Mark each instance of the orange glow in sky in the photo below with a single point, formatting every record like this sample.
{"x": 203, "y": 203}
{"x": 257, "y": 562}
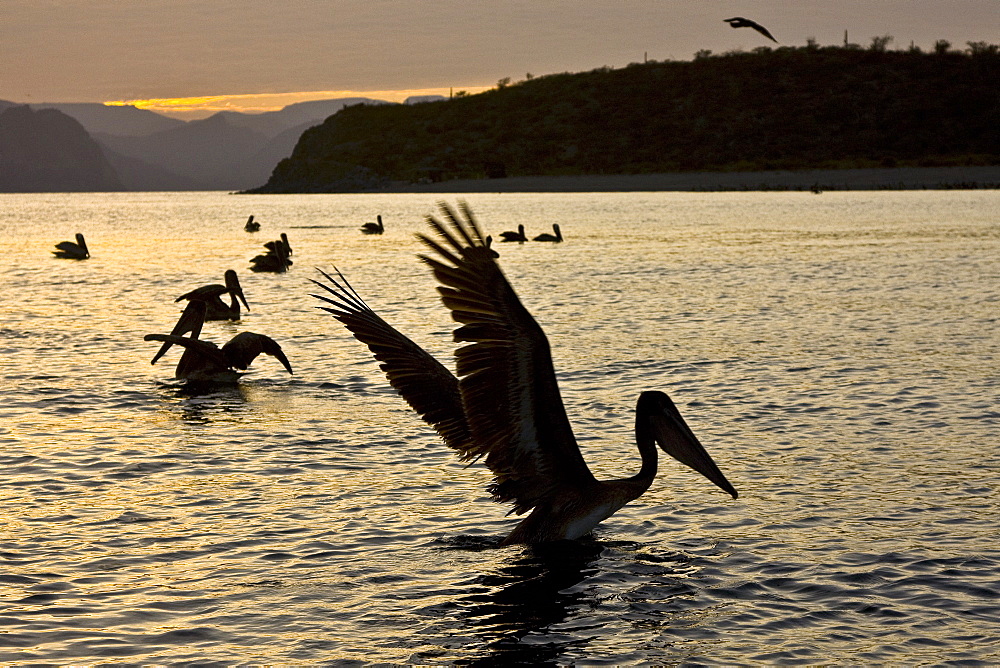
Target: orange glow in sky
{"x": 196, "y": 107}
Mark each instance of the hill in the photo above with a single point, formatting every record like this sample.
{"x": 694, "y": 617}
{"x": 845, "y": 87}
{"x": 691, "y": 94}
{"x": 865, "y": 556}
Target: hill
{"x": 782, "y": 109}
{"x": 47, "y": 151}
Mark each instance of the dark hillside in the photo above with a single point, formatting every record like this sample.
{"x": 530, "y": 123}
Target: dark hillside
{"x": 788, "y": 108}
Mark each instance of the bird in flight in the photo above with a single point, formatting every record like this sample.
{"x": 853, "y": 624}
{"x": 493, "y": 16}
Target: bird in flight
{"x": 740, "y": 22}
{"x": 503, "y": 404}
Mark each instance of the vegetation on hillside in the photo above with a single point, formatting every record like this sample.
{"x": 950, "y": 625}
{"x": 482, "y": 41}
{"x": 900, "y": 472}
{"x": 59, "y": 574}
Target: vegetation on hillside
{"x": 787, "y": 108}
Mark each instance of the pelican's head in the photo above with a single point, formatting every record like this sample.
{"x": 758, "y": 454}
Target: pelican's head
{"x": 676, "y": 439}
{"x": 233, "y": 285}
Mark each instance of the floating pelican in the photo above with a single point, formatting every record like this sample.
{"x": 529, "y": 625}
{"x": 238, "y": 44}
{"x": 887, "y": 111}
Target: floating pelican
{"x": 251, "y": 226}
{"x": 545, "y": 236}
{"x": 216, "y": 309}
{"x": 272, "y": 246}
{"x": 276, "y": 259}
{"x": 489, "y": 244}
{"x": 740, "y": 22}
{"x": 373, "y": 228}
{"x": 72, "y": 251}
{"x": 505, "y": 405}
{"x": 514, "y": 236}
{"x": 205, "y": 362}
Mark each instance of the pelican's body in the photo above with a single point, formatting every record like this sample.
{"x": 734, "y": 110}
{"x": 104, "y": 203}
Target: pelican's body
{"x": 252, "y": 225}
{"x": 72, "y": 251}
{"x": 518, "y": 236}
{"x": 556, "y": 235}
{"x": 373, "y": 228}
{"x": 215, "y": 308}
{"x": 203, "y": 361}
{"x": 740, "y": 22}
{"x": 504, "y": 405}
{"x": 275, "y": 259}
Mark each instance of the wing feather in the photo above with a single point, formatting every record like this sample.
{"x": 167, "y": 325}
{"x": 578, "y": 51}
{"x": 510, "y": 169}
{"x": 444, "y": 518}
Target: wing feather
{"x": 506, "y": 378}
{"x": 430, "y": 389}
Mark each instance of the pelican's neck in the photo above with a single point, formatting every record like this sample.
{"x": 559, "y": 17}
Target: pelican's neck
{"x": 647, "y": 448}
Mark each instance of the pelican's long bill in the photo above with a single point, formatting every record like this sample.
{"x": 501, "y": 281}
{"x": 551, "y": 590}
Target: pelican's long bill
{"x": 676, "y": 439}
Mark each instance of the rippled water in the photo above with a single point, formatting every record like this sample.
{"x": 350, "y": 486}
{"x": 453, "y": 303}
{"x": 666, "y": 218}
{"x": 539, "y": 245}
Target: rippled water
{"x": 837, "y": 353}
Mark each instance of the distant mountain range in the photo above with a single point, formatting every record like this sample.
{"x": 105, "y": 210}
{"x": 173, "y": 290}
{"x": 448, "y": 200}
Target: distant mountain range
{"x": 55, "y": 147}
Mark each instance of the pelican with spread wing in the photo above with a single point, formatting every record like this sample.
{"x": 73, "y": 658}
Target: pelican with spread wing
{"x": 205, "y": 362}
{"x": 504, "y": 405}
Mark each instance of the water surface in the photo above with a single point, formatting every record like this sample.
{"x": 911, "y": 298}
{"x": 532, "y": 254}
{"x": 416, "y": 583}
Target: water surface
{"x": 836, "y": 353}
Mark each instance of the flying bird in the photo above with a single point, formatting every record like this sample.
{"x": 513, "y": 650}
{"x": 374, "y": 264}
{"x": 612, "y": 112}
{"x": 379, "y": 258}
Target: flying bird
{"x": 514, "y": 236}
{"x": 216, "y": 309}
{"x": 373, "y": 228}
{"x": 740, "y": 22}
{"x": 204, "y": 361}
{"x": 252, "y": 225}
{"x": 504, "y": 405}
{"x": 545, "y": 236}
{"x": 72, "y": 251}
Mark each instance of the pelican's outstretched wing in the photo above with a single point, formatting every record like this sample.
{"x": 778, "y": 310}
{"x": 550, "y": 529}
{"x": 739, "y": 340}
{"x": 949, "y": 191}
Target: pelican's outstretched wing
{"x": 508, "y": 385}
{"x": 244, "y": 348}
{"x": 200, "y": 348}
{"x": 425, "y": 384}
{"x": 191, "y": 321}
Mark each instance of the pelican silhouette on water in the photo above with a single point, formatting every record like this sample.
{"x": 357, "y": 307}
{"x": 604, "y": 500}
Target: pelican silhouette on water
{"x": 373, "y": 228}
{"x": 205, "y": 362}
{"x": 216, "y": 309}
{"x": 275, "y": 259}
{"x": 504, "y": 406}
{"x": 252, "y": 225}
{"x": 740, "y": 22}
{"x": 72, "y": 251}
{"x": 514, "y": 236}
{"x": 556, "y": 236}
{"x": 273, "y": 246}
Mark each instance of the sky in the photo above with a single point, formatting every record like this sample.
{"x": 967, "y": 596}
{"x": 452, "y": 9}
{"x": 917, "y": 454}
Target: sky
{"x": 259, "y": 55}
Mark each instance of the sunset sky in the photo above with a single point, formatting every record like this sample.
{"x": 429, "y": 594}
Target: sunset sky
{"x": 258, "y": 55}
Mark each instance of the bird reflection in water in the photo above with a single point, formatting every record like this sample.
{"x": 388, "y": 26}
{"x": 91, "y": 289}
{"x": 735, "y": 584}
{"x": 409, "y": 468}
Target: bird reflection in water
{"x": 536, "y": 589}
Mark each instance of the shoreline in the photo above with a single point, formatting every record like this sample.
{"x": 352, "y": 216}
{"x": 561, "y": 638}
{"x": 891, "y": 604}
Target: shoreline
{"x": 892, "y": 178}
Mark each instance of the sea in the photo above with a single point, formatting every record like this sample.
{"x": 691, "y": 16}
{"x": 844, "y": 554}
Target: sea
{"x": 837, "y": 353}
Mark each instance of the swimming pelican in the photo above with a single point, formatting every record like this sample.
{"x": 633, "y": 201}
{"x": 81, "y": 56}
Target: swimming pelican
{"x": 283, "y": 242}
{"x": 251, "y": 225}
{"x": 373, "y": 228}
{"x": 72, "y": 251}
{"x": 740, "y": 22}
{"x": 514, "y": 236}
{"x": 216, "y": 309}
{"x": 545, "y": 236}
{"x": 203, "y": 361}
{"x": 275, "y": 259}
{"x": 505, "y": 405}
{"x": 489, "y": 244}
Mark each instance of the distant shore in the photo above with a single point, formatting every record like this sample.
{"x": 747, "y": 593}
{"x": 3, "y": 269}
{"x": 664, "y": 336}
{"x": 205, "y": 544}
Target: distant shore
{"x": 898, "y": 178}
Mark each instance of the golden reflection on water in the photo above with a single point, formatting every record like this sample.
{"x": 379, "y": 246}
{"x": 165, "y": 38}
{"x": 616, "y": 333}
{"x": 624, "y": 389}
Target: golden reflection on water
{"x": 835, "y": 354}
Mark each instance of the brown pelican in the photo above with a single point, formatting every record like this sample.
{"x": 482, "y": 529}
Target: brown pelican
{"x": 272, "y": 246}
{"x": 251, "y": 225}
{"x": 203, "y": 361}
{"x": 72, "y": 251}
{"x": 276, "y": 259}
{"x": 489, "y": 244}
{"x": 373, "y": 228}
{"x": 216, "y": 309}
{"x": 545, "y": 236}
{"x": 514, "y": 236}
{"x": 740, "y": 22}
{"x": 505, "y": 406}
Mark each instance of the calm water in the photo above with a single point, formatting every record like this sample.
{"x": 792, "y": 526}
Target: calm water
{"x": 838, "y": 355}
